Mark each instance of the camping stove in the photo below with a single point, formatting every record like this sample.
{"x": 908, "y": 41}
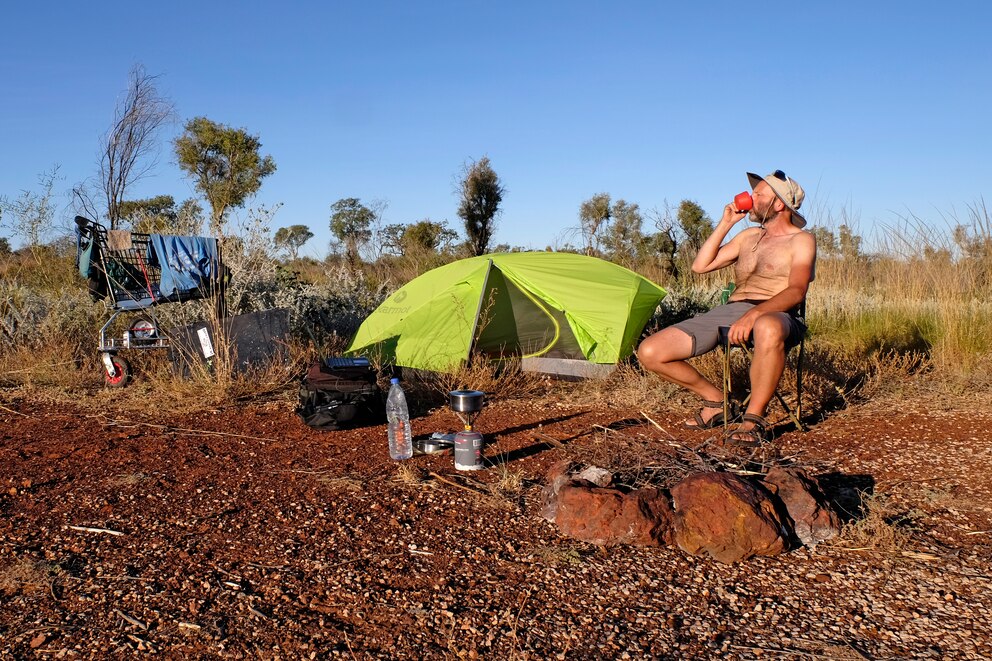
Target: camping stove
{"x": 467, "y": 404}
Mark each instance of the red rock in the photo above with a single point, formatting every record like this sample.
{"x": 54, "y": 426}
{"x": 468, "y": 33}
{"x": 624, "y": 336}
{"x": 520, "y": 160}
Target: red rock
{"x": 607, "y": 517}
{"x": 813, "y": 519}
{"x": 726, "y": 517}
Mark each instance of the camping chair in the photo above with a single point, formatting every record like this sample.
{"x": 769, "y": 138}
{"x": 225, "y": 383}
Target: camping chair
{"x": 796, "y": 413}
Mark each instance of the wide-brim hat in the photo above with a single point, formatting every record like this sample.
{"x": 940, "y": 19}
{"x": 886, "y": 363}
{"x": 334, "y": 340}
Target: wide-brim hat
{"x": 786, "y": 189}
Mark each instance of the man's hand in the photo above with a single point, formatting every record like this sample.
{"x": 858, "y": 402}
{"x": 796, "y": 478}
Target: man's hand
{"x": 740, "y": 330}
{"x": 731, "y": 214}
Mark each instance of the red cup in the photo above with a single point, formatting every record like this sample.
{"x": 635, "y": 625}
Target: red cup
{"x": 743, "y": 201}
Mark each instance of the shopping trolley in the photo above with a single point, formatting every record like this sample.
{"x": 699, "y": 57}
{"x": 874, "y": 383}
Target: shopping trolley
{"x": 137, "y": 272}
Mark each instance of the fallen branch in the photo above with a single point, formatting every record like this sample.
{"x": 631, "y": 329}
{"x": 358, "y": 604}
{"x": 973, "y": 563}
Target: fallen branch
{"x": 348, "y": 643}
{"x": 14, "y": 412}
{"x": 459, "y": 486}
{"x": 105, "y": 531}
{"x": 138, "y": 623}
{"x": 304, "y": 472}
{"x": 782, "y": 650}
{"x": 550, "y": 439}
{"x": 648, "y": 418}
{"x": 351, "y": 562}
{"x": 125, "y": 423}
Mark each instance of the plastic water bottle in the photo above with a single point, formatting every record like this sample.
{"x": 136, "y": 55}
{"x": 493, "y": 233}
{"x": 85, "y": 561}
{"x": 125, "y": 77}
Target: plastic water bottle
{"x": 400, "y": 436}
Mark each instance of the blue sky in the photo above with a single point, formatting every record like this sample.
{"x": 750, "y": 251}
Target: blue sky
{"x": 879, "y": 108}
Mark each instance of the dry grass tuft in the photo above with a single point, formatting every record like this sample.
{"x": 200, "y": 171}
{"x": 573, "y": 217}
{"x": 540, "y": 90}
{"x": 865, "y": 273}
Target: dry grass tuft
{"x": 628, "y": 387}
{"x": 566, "y": 554}
{"x": 884, "y": 525}
{"x": 409, "y": 475}
{"x": 26, "y": 576}
{"x": 499, "y": 380}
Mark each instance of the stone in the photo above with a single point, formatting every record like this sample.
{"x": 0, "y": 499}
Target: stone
{"x": 598, "y": 476}
{"x": 813, "y": 519}
{"x": 726, "y": 517}
{"x": 556, "y": 478}
{"x": 606, "y": 517}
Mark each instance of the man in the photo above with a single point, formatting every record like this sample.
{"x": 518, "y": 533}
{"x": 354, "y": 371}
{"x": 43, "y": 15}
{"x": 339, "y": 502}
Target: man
{"x": 773, "y": 266}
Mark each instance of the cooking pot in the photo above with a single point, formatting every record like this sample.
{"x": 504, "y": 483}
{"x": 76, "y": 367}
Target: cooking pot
{"x": 466, "y": 401}
{"x": 434, "y": 444}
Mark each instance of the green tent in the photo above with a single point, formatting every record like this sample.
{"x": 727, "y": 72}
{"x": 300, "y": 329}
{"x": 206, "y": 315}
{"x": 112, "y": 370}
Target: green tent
{"x": 551, "y": 309}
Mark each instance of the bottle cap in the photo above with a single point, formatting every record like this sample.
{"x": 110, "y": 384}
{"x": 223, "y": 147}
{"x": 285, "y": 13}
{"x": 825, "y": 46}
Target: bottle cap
{"x": 394, "y": 380}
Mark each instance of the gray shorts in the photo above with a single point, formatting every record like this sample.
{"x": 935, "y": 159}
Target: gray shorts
{"x": 704, "y": 328}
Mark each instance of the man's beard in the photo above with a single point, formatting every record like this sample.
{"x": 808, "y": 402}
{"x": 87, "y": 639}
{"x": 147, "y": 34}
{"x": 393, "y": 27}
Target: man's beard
{"x": 762, "y": 216}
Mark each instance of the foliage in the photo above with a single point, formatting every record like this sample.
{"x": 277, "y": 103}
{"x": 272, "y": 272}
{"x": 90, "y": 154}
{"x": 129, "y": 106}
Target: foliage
{"x": 594, "y": 214}
{"x": 481, "y": 195}
{"x": 31, "y": 217}
{"x": 4, "y": 246}
{"x": 695, "y": 224}
{"x": 624, "y": 240}
{"x": 427, "y": 236}
{"x": 291, "y": 239}
{"x": 351, "y": 224}
{"x": 129, "y": 147}
{"x": 225, "y": 165}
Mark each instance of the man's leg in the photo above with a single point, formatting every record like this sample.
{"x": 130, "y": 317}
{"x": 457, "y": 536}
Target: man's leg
{"x": 770, "y": 333}
{"x": 665, "y": 353}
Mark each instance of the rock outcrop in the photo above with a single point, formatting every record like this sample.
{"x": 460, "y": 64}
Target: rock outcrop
{"x": 813, "y": 520}
{"x": 726, "y": 517}
{"x": 723, "y": 515}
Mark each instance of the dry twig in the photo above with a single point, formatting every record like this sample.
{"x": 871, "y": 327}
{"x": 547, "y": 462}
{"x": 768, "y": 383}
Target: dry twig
{"x": 138, "y": 623}
{"x": 106, "y": 531}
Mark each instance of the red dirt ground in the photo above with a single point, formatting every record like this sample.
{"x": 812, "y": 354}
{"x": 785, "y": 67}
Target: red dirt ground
{"x": 244, "y": 533}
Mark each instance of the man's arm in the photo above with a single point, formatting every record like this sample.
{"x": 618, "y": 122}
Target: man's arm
{"x": 712, "y": 256}
{"x": 800, "y": 275}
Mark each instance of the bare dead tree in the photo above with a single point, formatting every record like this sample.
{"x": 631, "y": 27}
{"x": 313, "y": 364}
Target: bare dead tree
{"x": 82, "y": 200}
{"x": 129, "y": 149}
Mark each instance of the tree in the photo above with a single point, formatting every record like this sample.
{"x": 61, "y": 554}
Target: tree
{"x": 31, "y": 217}
{"x": 292, "y": 238}
{"x": 4, "y": 247}
{"x": 154, "y": 214}
{"x": 594, "y": 214}
{"x": 390, "y": 238}
{"x": 426, "y": 237}
{"x": 129, "y": 147}
{"x": 623, "y": 239}
{"x": 848, "y": 243}
{"x": 661, "y": 247}
{"x": 695, "y": 224}
{"x": 224, "y": 163}
{"x": 189, "y": 218}
{"x": 826, "y": 242}
{"x": 481, "y": 195}
{"x": 351, "y": 223}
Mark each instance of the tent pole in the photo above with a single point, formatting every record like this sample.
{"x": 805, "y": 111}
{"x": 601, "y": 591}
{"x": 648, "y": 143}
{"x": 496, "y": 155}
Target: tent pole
{"x": 478, "y": 313}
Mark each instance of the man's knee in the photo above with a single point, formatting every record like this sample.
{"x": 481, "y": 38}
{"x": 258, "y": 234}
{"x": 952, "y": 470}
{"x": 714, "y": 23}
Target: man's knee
{"x": 770, "y": 331}
{"x": 663, "y": 347}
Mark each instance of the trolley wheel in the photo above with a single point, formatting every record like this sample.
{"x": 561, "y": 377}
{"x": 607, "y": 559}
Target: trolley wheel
{"x": 122, "y": 376}
{"x": 144, "y": 329}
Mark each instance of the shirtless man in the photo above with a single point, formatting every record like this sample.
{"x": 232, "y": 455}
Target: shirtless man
{"x": 773, "y": 266}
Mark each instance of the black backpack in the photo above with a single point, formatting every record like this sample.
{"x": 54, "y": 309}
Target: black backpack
{"x": 340, "y": 393}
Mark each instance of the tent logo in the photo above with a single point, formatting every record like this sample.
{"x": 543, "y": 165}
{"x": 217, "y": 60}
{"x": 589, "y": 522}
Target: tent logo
{"x": 400, "y": 296}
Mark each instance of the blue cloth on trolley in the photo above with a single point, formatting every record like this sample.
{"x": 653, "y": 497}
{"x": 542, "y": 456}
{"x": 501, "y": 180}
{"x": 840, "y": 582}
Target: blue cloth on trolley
{"x": 186, "y": 262}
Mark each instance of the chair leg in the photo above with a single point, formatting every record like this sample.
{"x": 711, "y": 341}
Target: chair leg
{"x": 726, "y": 387}
{"x": 795, "y": 415}
{"x": 799, "y": 384}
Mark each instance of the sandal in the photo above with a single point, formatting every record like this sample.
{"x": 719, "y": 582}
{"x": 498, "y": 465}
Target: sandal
{"x": 754, "y": 437}
{"x": 717, "y": 420}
